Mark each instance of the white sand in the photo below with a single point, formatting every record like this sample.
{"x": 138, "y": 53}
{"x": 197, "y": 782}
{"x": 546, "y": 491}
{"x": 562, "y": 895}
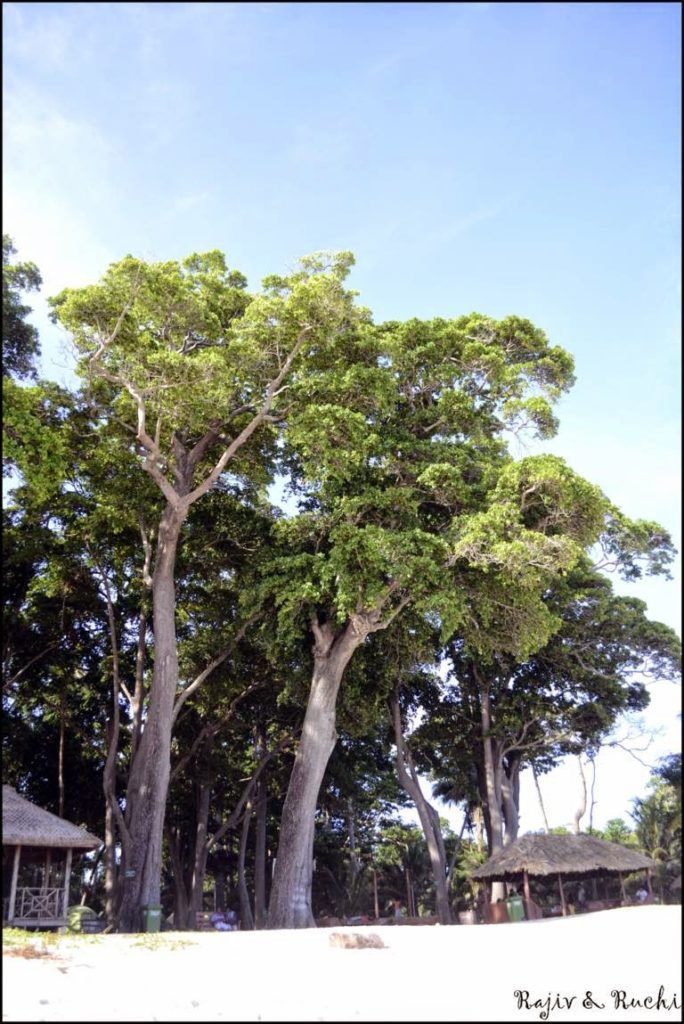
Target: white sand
{"x": 461, "y": 973}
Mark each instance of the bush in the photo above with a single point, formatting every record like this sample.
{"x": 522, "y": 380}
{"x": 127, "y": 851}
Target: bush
{"x": 75, "y": 917}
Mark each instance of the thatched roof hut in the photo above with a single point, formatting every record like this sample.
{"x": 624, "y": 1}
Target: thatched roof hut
{"x": 37, "y": 851}
{"x": 578, "y": 857}
{"x": 561, "y": 855}
{"x": 25, "y": 824}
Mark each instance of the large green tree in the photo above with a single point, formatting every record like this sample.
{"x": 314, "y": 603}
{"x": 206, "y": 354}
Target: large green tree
{"x": 194, "y": 369}
{"x": 502, "y": 714}
{"x": 409, "y": 497}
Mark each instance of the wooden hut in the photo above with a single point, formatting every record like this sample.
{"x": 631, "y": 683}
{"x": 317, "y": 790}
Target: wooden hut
{"x": 577, "y": 858}
{"x": 37, "y": 853}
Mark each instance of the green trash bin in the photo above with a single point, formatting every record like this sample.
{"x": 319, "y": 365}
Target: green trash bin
{"x": 516, "y": 908}
{"x": 152, "y": 918}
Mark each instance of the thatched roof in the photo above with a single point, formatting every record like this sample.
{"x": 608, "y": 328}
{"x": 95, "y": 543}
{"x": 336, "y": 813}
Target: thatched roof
{"x": 565, "y": 855}
{"x": 27, "y": 825}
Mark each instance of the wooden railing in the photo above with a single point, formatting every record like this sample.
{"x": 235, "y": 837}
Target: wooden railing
{"x": 39, "y": 904}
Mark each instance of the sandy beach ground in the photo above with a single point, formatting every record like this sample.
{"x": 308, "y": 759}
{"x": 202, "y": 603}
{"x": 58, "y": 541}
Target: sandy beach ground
{"x": 614, "y": 965}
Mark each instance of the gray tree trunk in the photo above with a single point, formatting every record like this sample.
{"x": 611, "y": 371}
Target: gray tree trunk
{"x": 199, "y": 868}
{"x": 110, "y": 866}
{"x": 290, "y": 903}
{"x": 180, "y": 891}
{"x": 541, "y": 800}
{"x": 149, "y": 777}
{"x": 247, "y": 921}
{"x": 429, "y": 819}
{"x": 354, "y": 863}
{"x": 582, "y": 809}
{"x": 510, "y": 794}
{"x": 492, "y": 773}
{"x": 260, "y": 914}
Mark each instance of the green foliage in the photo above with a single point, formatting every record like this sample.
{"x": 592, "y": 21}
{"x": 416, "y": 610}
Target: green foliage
{"x": 20, "y": 344}
{"x": 35, "y": 440}
{"x": 658, "y": 822}
{"x": 392, "y": 439}
{"x": 75, "y": 917}
{"x": 187, "y": 342}
{"x": 618, "y": 831}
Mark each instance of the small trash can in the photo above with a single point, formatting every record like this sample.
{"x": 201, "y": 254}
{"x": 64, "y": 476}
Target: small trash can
{"x": 516, "y": 909}
{"x": 152, "y": 918}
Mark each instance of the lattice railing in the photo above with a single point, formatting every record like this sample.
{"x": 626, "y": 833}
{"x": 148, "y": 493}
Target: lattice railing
{"x": 35, "y": 904}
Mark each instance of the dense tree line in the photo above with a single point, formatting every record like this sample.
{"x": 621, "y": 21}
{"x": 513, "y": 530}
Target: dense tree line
{"x": 231, "y": 694}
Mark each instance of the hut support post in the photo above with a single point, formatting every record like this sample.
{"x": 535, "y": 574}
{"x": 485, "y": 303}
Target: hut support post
{"x": 526, "y": 885}
{"x": 13, "y": 889}
{"x": 649, "y": 884}
{"x": 46, "y": 874}
{"x": 622, "y": 886}
{"x": 67, "y": 879}
{"x": 564, "y": 907}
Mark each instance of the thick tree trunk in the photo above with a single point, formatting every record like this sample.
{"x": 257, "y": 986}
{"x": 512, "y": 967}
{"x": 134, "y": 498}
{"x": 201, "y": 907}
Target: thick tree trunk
{"x": 149, "y": 777}
{"x": 510, "y": 794}
{"x": 492, "y": 773}
{"x": 429, "y": 819}
{"x": 290, "y": 903}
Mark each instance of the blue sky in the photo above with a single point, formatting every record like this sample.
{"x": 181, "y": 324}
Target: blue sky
{"x": 506, "y": 158}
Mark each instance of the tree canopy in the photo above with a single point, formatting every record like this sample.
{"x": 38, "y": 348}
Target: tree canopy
{"x": 178, "y": 638}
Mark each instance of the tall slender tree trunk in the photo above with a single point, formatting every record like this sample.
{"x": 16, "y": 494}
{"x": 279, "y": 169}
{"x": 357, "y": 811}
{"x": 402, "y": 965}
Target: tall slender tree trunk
{"x": 541, "y": 801}
{"x": 60, "y": 771}
{"x": 592, "y": 793}
{"x": 110, "y": 866}
{"x": 429, "y": 819}
{"x": 582, "y": 809}
{"x": 149, "y": 777}
{"x": 261, "y": 809}
{"x": 180, "y": 891}
{"x": 354, "y": 863}
{"x": 290, "y": 903}
{"x": 246, "y": 918}
{"x": 199, "y": 867}
{"x": 139, "y": 690}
